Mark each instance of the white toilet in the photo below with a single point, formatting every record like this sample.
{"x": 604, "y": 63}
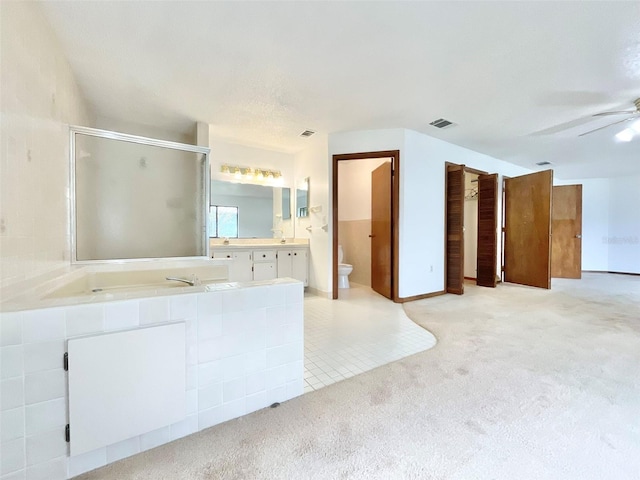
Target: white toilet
{"x": 344, "y": 269}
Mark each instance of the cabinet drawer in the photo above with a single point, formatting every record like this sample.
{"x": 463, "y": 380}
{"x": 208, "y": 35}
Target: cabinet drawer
{"x": 222, "y": 254}
{"x": 264, "y": 256}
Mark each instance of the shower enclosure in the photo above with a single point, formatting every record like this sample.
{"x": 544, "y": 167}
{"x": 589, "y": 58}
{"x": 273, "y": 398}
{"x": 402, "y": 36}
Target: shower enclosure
{"x": 136, "y": 198}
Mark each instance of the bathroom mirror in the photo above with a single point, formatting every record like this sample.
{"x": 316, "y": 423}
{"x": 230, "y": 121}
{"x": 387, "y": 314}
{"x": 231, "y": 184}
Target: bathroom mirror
{"x": 302, "y": 199}
{"x": 242, "y": 210}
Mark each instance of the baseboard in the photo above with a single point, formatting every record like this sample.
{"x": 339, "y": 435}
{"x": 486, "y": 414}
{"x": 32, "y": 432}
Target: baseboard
{"x": 420, "y": 297}
{"x": 615, "y": 273}
{"x": 318, "y": 293}
{"x": 471, "y": 278}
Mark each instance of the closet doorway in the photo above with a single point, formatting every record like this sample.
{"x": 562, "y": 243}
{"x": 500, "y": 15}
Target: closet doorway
{"x": 471, "y": 242}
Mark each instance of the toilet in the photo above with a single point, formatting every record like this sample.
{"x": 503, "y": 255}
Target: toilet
{"x": 344, "y": 269}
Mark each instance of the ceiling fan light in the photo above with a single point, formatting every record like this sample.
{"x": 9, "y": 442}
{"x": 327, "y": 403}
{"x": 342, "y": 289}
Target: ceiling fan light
{"x": 625, "y": 135}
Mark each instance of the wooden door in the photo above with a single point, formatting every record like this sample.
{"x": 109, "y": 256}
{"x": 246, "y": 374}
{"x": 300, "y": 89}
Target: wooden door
{"x": 566, "y": 241}
{"x": 381, "y": 235}
{"x": 527, "y": 240}
{"x": 455, "y": 229}
{"x": 487, "y": 230}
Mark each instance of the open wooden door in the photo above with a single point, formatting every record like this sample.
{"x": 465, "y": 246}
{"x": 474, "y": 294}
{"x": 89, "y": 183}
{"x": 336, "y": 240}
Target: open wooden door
{"x": 566, "y": 244}
{"x": 527, "y": 240}
{"x": 381, "y": 234}
{"x": 455, "y": 229}
{"x": 487, "y": 230}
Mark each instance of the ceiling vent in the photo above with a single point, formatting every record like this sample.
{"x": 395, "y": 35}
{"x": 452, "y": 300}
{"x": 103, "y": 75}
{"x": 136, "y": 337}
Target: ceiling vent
{"x": 442, "y": 123}
{"x": 542, "y": 164}
{"x": 307, "y": 133}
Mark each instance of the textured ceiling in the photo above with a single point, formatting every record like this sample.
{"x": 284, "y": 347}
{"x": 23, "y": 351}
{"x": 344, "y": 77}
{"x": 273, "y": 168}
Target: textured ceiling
{"x": 507, "y": 73}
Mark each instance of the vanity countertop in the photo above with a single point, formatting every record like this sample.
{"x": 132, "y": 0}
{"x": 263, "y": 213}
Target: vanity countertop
{"x": 259, "y": 243}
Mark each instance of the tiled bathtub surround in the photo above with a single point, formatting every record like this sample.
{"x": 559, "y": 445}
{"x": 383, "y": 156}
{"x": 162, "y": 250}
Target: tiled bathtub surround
{"x": 244, "y": 352}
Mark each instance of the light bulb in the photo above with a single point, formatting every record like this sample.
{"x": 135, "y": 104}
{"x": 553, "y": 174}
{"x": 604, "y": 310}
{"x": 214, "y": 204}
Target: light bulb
{"x": 625, "y": 135}
{"x": 237, "y": 173}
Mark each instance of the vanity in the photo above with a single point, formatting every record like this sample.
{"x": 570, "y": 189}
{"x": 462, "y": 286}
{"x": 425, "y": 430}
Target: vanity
{"x": 264, "y": 261}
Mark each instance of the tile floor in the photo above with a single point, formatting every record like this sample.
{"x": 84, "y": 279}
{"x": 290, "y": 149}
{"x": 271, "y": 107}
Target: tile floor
{"x": 356, "y": 333}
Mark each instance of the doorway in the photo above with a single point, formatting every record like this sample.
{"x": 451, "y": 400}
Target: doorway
{"x": 382, "y": 224}
{"x": 471, "y": 211}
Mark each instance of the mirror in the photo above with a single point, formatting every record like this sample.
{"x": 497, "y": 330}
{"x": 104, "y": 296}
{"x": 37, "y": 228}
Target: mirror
{"x": 242, "y": 210}
{"x": 302, "y": 199}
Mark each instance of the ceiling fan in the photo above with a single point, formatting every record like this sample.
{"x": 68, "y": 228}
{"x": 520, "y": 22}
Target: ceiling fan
{"x": 631, "y": 115}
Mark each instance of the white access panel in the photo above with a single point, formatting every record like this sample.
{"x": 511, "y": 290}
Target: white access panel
{"x": 125, "y": 384}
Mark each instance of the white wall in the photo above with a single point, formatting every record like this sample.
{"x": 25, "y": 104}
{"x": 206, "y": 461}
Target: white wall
{"x": 40, "y": 98}
{"x": 150, "y": 131}
{"x": 624, "y": 224}
{"x": 313, "y": 162}
{"x": 354, "y": 188}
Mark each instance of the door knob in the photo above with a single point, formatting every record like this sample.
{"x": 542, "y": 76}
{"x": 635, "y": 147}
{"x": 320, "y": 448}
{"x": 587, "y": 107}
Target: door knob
{"x": 578, "y": 236}
{"x": 371, "y": 236}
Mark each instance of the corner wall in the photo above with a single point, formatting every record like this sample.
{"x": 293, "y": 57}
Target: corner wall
{"x": 40, "y": 98}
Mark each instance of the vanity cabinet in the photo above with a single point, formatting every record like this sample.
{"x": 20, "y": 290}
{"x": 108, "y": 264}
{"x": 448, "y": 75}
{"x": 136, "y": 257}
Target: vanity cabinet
{"x": 294, "y": 264}
{"x": 265, "y": 263}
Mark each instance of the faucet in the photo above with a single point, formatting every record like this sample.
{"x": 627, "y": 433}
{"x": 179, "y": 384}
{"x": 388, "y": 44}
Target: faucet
{"x": 226, "y": 241}
{"x": 193, "y": 282}
{"x": 283, "y": 240}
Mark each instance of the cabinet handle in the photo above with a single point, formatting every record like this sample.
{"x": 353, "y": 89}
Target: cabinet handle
{"x": 263, "y": 255}
{"x": 228, "y": 256}
{"x": 289, "y": 254}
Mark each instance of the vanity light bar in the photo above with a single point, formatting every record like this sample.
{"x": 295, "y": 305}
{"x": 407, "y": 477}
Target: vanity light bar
{"x": 249, "y": 172}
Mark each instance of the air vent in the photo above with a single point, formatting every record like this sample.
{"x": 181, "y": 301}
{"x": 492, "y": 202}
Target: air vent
{"x": 541, "y": 164}
{"x": 307, "y": 133}
{"x": 442, "y": 123}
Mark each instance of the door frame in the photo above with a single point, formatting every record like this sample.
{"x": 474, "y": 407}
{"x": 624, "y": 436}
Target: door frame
{"x": 465, "y": 169}
{"x": 395, "y": 215}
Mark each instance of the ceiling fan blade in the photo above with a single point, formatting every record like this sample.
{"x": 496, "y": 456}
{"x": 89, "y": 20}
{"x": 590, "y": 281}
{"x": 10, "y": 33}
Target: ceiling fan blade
{"x": 623, "y": 112}
{"x": 607, "y": 126}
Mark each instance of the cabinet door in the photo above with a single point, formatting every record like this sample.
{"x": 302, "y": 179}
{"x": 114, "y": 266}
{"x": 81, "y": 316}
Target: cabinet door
{"x": 300, "y": 266}
{"x": 240, "y": 269}
{"x": 264, "y": 271}
{"x": 285, "y": 260}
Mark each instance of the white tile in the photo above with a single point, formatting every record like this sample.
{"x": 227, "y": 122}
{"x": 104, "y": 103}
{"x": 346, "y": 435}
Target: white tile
{"x": 121, "y": 315}
{"x": 53, "y": 470}
{"x": 46, "y": 446}
{"x": 231, "y": 345}
{"x": 191, "y": 402}
{"x": 209, "y": 326}
{"x": 10, "y": 328}
{"x": 186, "y": 427}
{"x": 11, "y": 424}
{"x": 278, "y": 394}
{"x": 295, "y": 388}
{"x": 11, "y": 361}
{"x": 183, "y": 306}
{"x": 234, "y": 409}
{"x": 84, "y": 319}
{"x": 154, "y": 310}
{"x": 294, "y": 313}
{"x": 255, "y": 382}
{"x": 256, "y": 401}
{"x": 275, "y": 377}
{"x": 232, "y": 301}
{"x": 276, "y": 356}
{"x": 276, "y": 295}
{"x": 86, "y": 462}
{"x": 234, "y": 323}
{"x": 210, "y": 303}
{"x": 46, "y": 416}
{"x": 294, "y": 370}
{"x": 43, "y": 386}
{"x": 233, "y": 367}
{"x": 233, "y": 389}
{"x": 11, "y": 393}
{"x": 210, "y": 396}
{"x": 255, "y": 361}
{"x": 210, "y": 417}
{"x": 275, "y": 335}
{"x": 256, "y": 297}
{"x": 12, "y": 456}
{"x": 155, "y": 438}
{"x": 294, "y": 293}
{"x": 276, "y": 316}
{"x": 210, "y": 350}
{"x": 43, "y": 356}
{"x": 209, "y": 373}
{"x": 192, "y": 377}
{"x": 43, "y": 325}
{"x": 123, "y": 449}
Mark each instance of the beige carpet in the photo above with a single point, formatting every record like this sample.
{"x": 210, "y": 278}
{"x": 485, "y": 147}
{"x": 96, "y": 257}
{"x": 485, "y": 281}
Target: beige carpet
{"x": 523, "y": 384}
